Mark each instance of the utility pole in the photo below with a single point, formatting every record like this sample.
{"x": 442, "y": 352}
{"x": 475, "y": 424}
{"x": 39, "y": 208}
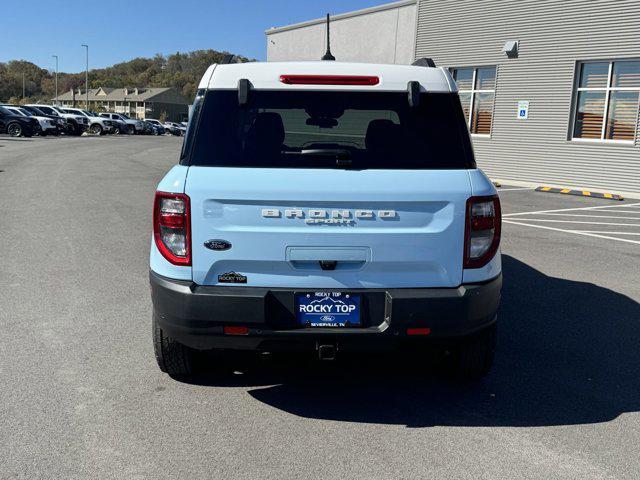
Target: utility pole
{"x": 56, "y": 100}
{"x": 86, "y": 78}
{"x": 23, "y": 85}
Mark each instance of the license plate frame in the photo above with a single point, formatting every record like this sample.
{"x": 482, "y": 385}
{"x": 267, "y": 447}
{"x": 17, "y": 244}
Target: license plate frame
{"x": 328, "y": 309}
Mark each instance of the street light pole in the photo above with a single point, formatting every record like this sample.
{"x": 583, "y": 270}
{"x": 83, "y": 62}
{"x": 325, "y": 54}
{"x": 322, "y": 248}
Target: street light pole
{"x": 56, "y": 57}
{"x": 86, "y": 79}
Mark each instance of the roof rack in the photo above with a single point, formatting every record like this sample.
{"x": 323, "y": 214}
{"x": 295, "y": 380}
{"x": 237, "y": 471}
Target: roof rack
{"x": 424, "y": 62}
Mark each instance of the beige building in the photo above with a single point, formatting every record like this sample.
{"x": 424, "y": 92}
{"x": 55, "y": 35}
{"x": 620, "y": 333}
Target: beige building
{"x": 135, "y": 102}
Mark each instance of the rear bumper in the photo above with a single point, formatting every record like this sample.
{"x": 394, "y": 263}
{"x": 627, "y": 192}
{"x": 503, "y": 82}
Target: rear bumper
{"x": 195, "y": 315}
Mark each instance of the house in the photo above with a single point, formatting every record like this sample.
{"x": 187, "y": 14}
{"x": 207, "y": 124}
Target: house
{"x": 135, "y": 102}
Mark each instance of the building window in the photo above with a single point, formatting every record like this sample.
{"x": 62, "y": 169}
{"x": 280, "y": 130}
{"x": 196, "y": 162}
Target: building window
{"x": 606, "y": 101}
{"x": 477, "y": 87}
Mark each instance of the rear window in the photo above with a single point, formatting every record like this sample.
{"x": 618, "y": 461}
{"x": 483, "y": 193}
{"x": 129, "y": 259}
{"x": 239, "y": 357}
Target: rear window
{"x": 316, "y": 129}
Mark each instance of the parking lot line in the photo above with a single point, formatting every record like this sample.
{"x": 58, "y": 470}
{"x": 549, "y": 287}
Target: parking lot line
{"x": 582, "y": 221}
{"x": 610, "y": 233}
{"x": 575, "y": 232}
{"x": 591, "y": 216}
{"x": 514, "y": 189}
{"x": 571, "y": 209}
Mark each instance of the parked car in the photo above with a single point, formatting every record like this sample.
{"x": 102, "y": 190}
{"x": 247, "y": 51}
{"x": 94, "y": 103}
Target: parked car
{"x": 122, "y": 127}
{"x": 76, "y": 124}
{"x": 97, "y": 124}
{"x": 60, "y": 122}
{"x": 156, "y": 128}
{"x": 131, "y": 126}
{"x": 160, "y": 127}
{"x": 173, "y": 128}
{"x": 47, "y": 125}
{"x": 148, "y": 129}
{"x": 17, "y": 125}
{"x": 326, "y": 219}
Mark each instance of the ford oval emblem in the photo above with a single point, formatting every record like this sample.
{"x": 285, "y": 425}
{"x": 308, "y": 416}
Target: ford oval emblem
{"x": 217, "y": 245}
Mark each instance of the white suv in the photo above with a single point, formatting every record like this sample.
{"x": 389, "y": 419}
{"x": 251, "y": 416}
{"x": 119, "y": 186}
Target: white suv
{"x": 326, "y": 207}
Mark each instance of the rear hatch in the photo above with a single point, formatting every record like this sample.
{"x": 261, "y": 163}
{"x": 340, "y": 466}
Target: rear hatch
{"x": 328, "y": 189}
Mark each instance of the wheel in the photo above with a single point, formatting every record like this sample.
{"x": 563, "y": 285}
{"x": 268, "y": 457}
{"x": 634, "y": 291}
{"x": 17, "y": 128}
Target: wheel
{"x": 116, "y": 131}
{"x": 131, "y": 129}
{"x": 96, "y": 129}
{"x": 43, "y": 133}
{"x": 173, "y": 358}
{"x": 75, "y": 129}
{"x": 15, "y": 129}
{"x": 472, "y": 357}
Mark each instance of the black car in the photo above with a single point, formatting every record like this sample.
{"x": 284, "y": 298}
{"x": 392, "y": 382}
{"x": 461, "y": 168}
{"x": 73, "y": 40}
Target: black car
{"x": 61, "y": 123}
{"x": 17, "y": 125}
{"x": 154, "y": 128}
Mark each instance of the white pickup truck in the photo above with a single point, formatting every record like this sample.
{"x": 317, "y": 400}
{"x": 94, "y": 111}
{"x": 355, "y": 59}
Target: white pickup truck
{"x": 97, "y": 125}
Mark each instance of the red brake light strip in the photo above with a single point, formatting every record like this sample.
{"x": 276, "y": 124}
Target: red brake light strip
{"x": 365, "y": 80}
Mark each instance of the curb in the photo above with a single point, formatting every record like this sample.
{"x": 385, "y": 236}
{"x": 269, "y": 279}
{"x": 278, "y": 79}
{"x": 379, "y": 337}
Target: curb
{"x": 580, "y": 193}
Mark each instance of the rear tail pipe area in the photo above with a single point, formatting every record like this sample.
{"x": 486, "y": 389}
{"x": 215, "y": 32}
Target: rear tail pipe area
{"x": 327, "y": 351}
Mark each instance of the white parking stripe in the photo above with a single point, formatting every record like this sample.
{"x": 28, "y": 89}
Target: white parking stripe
{"x": 610, "y": 233}
{"x": 592, "y": 216}
{"x": 500, "y": 190}
{"x": 575, "y": 232}
{"x": 580, "y": 221}
{"x": 571, "y": 209}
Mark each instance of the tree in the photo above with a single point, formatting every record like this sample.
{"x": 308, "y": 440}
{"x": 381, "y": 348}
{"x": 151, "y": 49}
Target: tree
{"x": 181, "y": 71}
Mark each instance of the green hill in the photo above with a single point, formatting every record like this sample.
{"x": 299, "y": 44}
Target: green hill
{"x": 180, "y": 70}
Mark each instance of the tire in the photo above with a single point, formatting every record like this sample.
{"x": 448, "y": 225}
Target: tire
{"x": 43, "y": 133}
{"x": 173, "y": 358}
{"x": 15, "y": 130}
{"x": 131, "y": 129}
{"x": 96, "y": 129}
{"x": 472, "y": 358}
{"x": 75, "y": 129}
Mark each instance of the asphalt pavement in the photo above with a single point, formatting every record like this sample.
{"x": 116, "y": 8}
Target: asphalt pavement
{"x": 81, "y": 395}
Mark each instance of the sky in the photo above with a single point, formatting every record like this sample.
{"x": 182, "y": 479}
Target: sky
{"x": 119, "y": 30}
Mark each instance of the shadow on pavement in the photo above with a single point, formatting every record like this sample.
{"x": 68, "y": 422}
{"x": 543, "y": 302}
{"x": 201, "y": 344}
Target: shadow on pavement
{"x": 567, "y": 354}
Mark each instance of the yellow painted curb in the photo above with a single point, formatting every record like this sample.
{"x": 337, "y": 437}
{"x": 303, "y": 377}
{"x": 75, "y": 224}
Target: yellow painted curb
{"x": 580, "y": 193}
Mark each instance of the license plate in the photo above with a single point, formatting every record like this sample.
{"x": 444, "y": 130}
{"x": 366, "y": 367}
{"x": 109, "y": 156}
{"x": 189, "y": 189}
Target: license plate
{"x": 328, "y": 309}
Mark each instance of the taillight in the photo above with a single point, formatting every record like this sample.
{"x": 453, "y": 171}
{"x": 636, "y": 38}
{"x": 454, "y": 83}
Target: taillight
{"x": 172, "y": 227}
{"x": 366, "y": 80}
{"x": 482, "y": 230}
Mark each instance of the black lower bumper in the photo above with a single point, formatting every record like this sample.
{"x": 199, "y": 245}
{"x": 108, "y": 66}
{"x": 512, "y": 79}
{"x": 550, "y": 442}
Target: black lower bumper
{"x": 195, "y": 315}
